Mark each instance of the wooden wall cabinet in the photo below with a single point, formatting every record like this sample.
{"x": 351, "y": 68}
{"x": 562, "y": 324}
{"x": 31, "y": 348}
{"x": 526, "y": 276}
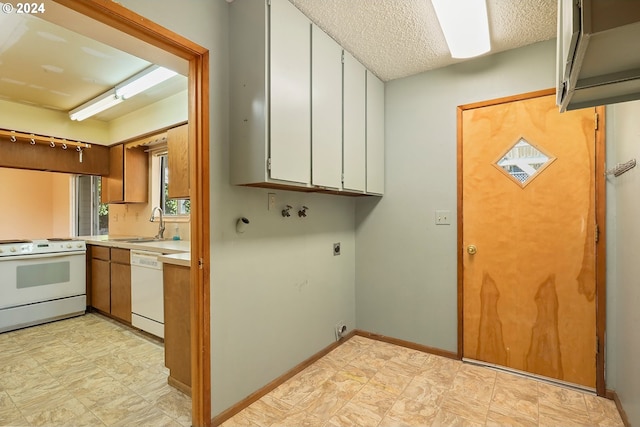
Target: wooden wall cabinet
{"x": 177, "y": 325}
{"x": 298, "y": 115}
{"x": 111, "y": 281}
{"x": 178, "y": 162}
{"x": 128, "y": 179}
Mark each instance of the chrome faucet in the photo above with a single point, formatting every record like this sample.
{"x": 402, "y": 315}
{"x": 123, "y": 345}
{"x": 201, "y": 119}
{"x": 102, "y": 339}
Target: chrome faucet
{"x": 160, "y": 234}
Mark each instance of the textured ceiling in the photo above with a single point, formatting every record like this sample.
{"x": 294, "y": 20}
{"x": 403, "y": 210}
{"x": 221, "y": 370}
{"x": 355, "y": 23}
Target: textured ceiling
{"x": 398, "y": 38}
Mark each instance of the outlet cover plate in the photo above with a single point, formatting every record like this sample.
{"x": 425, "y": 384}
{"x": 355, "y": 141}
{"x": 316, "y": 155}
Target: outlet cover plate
{"x": 336, "y": 249}
{"x": 443, "y": 217}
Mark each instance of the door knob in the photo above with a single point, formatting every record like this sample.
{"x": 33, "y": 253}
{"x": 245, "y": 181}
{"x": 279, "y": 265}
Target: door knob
{"x": 471, "y": 249}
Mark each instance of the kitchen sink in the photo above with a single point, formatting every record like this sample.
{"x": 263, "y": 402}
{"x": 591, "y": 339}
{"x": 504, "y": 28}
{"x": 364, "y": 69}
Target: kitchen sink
{"x": 144, "y": 240}
{"x": 136, "y": 239}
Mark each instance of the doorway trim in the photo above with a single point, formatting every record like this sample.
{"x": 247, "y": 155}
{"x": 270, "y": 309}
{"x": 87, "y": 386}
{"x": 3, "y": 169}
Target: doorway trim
{"x": 600, "y": 207}
{"x": 126, "y": 21}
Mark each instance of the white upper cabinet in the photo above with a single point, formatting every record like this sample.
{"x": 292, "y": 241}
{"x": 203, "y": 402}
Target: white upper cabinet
{"x": 354, "y": 146}
{"x": 326, "y": 108}
{"x": 299, "y": 117}
{"x": 375, "y": 135}
{"x": 290, "y": 100}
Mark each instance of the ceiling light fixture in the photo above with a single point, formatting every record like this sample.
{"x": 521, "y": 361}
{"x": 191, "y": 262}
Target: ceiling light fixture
{"x": 143, "y": 80}
{"x": 465, "y": 26}
{"x": 95, "y": 106}
{"x": 132, "y": 86}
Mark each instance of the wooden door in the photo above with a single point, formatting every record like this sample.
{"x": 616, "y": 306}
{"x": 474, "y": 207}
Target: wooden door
{"x": 529, "y": 238}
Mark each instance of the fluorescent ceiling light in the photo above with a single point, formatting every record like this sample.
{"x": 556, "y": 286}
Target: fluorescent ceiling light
{"x": 143, "y": 81}
{"x": 125, "y": 90}
{"x": 465, "y": 26}
{"x": 96, "y": 105}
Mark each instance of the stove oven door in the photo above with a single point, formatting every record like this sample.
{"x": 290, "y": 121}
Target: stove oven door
{"x": 40, "y": 288}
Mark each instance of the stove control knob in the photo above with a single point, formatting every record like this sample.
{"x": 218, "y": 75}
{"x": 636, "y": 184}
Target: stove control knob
{"x": 79, "y": 245}
{"x": 69, "y": 245}
{"x": 1, "y": 250}
{"x": 13, "y": 248}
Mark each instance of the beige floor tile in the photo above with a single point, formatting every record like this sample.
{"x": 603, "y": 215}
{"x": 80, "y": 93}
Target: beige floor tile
{"x": 466, "y": 407}
{"x": 374, "y": 400}
{"x": 603, "y": 412}
{"x": 476, "y": 381}
{"x": 559, "y": 403}
{"x": 354, "y": 415}
{"x": 498, "y": 419}
{"x": 299, "y": 418}
{"x": 413, "y": 413}
{"x": 518, "y": 399}
{"x": 390, "y": 381}
{"x": 76, "y": 372}
{"x": 445, "y": 418}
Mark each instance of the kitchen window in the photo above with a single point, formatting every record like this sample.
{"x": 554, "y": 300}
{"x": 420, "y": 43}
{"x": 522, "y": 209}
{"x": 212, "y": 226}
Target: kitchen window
{"x": 91, "y": 216}
{"x": 176, "y": 209}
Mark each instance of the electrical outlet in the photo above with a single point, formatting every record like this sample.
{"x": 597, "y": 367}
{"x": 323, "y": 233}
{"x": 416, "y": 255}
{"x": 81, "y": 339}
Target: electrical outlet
{"x": 340, "y": 330}
{"x": 336, "y": 249}
{"x": 271, "y": 202}
{"x": 443, "y": 217}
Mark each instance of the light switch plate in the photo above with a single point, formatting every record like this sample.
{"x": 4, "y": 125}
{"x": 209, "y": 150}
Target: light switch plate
{"x": 443, "y": 217}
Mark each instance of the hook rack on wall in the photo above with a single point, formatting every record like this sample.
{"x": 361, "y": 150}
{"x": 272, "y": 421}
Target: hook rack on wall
{"x": 51, "y": 141}
{"x": 621, "y": 168}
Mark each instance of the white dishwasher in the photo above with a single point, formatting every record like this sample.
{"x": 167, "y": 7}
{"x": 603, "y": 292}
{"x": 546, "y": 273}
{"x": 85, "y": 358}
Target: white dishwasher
{"x": 147, "y": 296}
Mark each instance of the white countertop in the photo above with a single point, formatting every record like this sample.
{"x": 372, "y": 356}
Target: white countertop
{"x": 183, "y": 259}
{"x": 177, "y": 251}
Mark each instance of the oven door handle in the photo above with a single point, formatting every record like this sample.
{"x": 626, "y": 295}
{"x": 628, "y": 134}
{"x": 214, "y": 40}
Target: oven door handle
{"x": 40, "y": 256}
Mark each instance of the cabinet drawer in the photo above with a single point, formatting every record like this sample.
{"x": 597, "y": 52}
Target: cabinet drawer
{"x": 100, "y": 252}
{"x": 120, "y": 256}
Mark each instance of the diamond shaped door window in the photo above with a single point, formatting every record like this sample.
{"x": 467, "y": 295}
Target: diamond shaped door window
{"x": 523, "y": 161}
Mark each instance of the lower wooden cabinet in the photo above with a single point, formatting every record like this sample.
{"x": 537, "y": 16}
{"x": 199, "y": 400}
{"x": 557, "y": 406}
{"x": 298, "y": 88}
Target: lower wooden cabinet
{"x": 121, "y": 284}
{"x": 110, "y": 284}
{"x": 177, "y": 326}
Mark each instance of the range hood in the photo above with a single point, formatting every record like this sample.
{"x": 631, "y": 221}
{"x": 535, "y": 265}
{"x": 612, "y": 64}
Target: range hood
{"x": 598, "y": 53}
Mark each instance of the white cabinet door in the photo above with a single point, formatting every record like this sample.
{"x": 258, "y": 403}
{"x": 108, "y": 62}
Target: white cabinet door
{"x": 375, "y": 134}
{"x": 290, "y": 96}
{"x": 354, "y": 122}
{"x": 326, "y": 110}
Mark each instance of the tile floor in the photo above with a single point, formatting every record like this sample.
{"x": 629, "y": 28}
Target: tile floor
{"x": 370, "y": 383}
{"x": 86, "y": 371}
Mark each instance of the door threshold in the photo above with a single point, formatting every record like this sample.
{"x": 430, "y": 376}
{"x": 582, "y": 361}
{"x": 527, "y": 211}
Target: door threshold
{"x": 529, "y": 375}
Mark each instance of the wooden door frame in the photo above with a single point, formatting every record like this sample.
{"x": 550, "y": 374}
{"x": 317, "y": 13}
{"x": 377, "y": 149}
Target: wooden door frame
{"x": 600, "y": 207}
{"x": 124, "y": 20}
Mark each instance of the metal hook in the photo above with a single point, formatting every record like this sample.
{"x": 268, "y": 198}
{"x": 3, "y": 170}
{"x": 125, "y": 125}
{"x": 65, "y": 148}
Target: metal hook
{"x": 13, "y": 138}
{"x": 32, "y": 142}
{"x": 285, "y": 211}
{"x": 64, "y": 146}
{"x": 52, "y": 144}
{"x": 303, "y": 212}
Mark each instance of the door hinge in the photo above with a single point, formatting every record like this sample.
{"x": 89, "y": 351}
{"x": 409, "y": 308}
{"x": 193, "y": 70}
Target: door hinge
{"x": 200, "y": 263}
{"x": 597, "y": 118}
{"x": 342, "y": 59}
{"x": 597, "y": 233}
{"x": 269, "y": 164}
{"x": 597, "y": 344}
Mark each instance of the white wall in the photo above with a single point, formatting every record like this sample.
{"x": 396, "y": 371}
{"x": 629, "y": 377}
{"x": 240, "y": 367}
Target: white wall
{"x": 406, "y": 282}
{"x": 623, "y": 137}
{"x": 277, "y": 290}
